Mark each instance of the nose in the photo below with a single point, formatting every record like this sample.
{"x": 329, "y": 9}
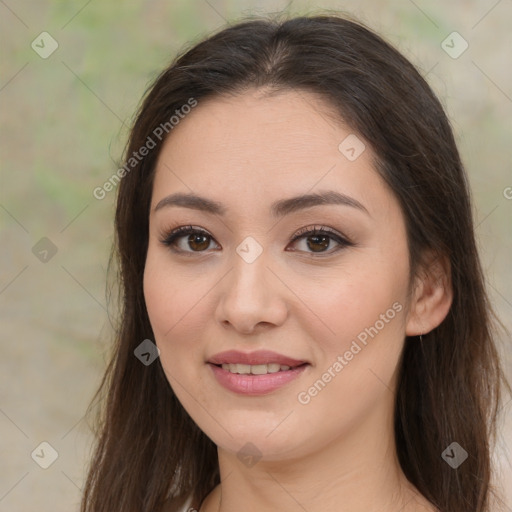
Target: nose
{"x": 251, "y": 297}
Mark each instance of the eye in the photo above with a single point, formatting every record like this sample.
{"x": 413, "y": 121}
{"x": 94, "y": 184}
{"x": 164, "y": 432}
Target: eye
{"x": 189, "y": 240}
{"x": 318, "y": 239}
{"x": 193, "y": 238}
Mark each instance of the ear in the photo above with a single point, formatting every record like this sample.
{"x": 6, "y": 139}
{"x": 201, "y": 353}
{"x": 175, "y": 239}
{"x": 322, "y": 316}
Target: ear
{"x": 432, "y": 295}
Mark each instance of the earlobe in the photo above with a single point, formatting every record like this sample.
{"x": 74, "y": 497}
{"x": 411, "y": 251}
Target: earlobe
{"x": 432, "y": 296}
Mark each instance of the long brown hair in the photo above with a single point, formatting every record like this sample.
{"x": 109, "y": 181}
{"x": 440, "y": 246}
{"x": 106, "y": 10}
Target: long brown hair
{"x": 149, "y": 450}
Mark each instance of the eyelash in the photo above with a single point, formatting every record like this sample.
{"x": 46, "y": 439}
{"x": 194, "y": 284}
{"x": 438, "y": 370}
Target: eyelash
{"x": 169, "y": 239}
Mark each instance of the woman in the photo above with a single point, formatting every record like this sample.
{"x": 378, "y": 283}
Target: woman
{"x": 294, "y": 234}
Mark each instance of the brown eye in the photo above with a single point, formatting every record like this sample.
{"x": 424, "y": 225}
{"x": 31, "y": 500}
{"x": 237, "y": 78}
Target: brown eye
{"x": 198, "y": 242}
{"x": 318, "y": 243}
{"x": 318, "y": 240}
{"x": 188, "y": 239}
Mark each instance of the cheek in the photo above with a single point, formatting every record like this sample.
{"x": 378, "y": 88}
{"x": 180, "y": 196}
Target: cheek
{"x": 176, "y": 312}
{"x": 350, "y": 302}
{"x": 359, "y": 338}
{"x": 172, "y": 295}
{"x": 176, "y": 303}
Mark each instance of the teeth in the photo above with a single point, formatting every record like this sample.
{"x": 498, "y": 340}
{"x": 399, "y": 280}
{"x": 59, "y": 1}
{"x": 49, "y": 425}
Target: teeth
{"x": 239, "y": 368}
{"x": 255, "y": 369}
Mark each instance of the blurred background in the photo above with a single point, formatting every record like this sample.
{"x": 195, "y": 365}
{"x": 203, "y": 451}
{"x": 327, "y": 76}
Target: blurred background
{"x": 72, "y": 75}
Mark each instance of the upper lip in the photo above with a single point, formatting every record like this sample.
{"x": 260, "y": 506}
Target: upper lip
{"x": 254, "y": 358}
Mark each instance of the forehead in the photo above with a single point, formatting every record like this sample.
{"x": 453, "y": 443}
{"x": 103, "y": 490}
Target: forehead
{"x": 263, "y": 147}
{"x": 290, "y": 124}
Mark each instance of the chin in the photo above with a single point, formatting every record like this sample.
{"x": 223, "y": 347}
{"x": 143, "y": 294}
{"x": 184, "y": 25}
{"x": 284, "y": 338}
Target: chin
{"x": 257, "y": 438}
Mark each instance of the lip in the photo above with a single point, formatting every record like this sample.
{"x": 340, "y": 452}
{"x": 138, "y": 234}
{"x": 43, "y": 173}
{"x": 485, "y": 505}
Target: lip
{"x": 253, "y": 358}
{"x": 248, "y": 384}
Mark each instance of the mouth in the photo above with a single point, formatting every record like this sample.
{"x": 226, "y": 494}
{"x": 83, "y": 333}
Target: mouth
{"x": 258, "y": 359}
{"x": 256, "y": 369}
{"x": 255, "y": 373}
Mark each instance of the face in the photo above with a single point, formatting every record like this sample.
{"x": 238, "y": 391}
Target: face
{"x": 324, "y": 283}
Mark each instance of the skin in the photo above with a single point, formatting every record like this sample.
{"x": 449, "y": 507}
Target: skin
{"x": 337, "y": 450}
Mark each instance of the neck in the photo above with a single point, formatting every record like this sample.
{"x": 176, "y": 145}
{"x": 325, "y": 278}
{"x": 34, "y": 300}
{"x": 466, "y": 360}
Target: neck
{"x": 356, "y": 472}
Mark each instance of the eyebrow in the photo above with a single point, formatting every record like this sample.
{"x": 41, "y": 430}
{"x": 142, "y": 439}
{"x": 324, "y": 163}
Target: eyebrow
{"x": 278, "y": 209}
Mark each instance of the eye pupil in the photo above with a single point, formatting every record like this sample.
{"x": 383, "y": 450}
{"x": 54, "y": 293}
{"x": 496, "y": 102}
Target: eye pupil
{"x": 323, "y": 244}
{"x": 196, "y": 239}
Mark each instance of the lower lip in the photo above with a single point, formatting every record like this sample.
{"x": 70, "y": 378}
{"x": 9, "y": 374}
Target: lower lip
{"x": 255, "y": 384}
